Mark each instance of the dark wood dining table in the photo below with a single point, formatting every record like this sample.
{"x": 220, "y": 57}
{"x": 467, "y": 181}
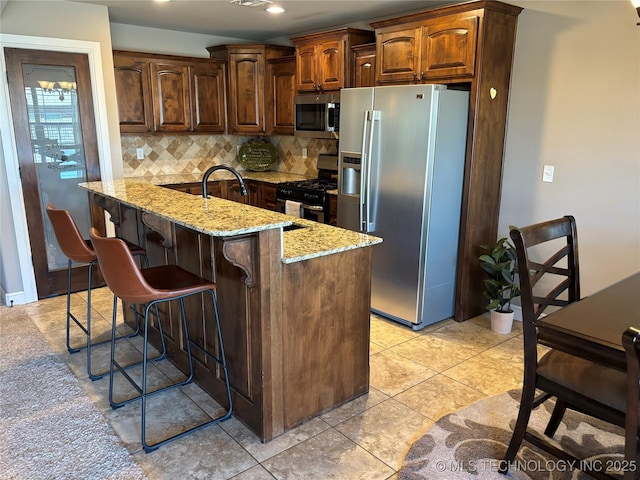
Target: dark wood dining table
{"x": 592, "y": 327}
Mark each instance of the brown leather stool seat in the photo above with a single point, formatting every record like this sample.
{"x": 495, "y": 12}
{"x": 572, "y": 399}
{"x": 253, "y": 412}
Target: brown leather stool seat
{"x": 79, "y": 250}
{"x": 151, "y": 286}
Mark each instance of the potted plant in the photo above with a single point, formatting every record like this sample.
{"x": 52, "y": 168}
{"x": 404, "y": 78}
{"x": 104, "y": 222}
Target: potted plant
{"x": 499, "y": 263}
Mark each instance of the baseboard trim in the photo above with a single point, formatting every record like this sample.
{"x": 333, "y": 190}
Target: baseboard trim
{"x": 10, "y": 299}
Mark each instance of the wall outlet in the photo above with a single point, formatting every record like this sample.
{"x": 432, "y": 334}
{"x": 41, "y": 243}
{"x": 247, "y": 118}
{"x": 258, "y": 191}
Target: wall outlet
{"x": 304, "y": 153}
{"x": 140, "y": 153}
{"x": 547, "y": 173}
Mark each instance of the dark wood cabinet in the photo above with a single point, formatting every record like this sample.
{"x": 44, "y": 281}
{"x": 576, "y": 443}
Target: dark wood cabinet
{"x": 171, "y": 99}
{"x": 170, "y": 94}
{"x": 398, "y": 53}
{"x": 365, "y": 65}
{"x": 449, "y": 47}
{"x": 440, "y": 48}
{"x": 209, "y": 102}
{"x": 248, "y": 107}
{"x": 281, "y": 90}
{"x": 253, "y": 189}
{"x": 324, "y": 61}
{"x": 133, "y": 94}
{"x": 468, "y": 46}
{"x": 268, "y": 196}
{"x": 333, "y": 210}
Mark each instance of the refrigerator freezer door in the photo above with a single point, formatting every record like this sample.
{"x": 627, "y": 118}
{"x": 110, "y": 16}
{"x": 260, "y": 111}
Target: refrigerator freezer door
{"x": 355, "y": 103}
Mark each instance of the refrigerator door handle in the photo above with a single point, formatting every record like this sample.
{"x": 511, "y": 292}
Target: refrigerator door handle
{"x": 363, "y": 165}
{"x": 367, "y": 224}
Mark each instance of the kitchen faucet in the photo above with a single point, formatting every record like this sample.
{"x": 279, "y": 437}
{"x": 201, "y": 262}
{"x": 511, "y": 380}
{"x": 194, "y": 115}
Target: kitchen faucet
{"x": 243, "y": 188}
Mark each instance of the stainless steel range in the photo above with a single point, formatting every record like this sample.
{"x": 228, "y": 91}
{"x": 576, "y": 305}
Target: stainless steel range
{"x": 311, "y": 195}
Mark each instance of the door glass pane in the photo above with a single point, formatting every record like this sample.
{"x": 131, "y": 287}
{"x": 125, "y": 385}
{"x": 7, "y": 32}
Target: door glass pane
{"x": 56, "y": 140}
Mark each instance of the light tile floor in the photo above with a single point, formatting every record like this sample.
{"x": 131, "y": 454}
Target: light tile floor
{"x": 416, "y": 377}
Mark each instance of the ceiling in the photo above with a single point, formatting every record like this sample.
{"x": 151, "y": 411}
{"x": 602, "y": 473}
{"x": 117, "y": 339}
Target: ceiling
{"x": 221, "y": 18}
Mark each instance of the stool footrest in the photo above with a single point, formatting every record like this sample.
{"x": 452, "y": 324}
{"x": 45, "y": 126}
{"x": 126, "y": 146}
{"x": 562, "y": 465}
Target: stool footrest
{"x": 151, "y": 447}
{"x": 135, "y": 385}
{"x": 208, "y": 354}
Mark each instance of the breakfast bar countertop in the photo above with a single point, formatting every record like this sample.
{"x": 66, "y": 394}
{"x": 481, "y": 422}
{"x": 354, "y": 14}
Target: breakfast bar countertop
{"x": 223, "y": 218}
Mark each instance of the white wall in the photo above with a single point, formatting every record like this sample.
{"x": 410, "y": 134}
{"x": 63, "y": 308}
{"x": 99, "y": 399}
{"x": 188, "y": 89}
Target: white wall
{"x": 10, "y": 276}
{"x": 575, "y": 104}
{"x": 156, "y": 40}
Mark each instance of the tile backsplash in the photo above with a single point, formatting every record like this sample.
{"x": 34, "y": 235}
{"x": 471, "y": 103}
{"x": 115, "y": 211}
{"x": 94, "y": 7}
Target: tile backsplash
{"x": 176, "y": 154}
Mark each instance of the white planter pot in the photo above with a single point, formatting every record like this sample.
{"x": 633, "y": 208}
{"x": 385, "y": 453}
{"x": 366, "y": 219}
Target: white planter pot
{"x": 501, "y": 322}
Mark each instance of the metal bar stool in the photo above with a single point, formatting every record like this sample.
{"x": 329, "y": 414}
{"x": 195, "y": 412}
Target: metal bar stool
{"x": 152, "y": 286}
{"x": 79, "y": 250}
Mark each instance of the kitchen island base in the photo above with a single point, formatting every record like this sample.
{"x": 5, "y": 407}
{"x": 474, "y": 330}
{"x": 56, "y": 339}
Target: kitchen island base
{"x": 296, "y": 334}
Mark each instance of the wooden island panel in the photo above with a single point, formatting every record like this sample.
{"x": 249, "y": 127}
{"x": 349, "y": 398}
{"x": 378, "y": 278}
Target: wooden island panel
{"x": 325, "y": 341}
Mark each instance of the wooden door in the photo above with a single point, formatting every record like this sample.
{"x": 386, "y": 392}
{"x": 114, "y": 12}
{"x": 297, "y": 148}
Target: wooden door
{"x": 246, "y": 78}
{"x": 53, "y": 118}
{"x": 449, "y": 48}
{"x": 209, "y": 98}
{"x": 253, "y": 189}
{"x": 398, "y": 50}
{"x": 331, "y": 65}
{"x": 306, "y": 69}
{"x": 170, "y": 91}
{"x": 365, "y": 65}
{"x": 280, "y": 95}
{"x": 268, "y": 196}
{"x": 133, "y": 94}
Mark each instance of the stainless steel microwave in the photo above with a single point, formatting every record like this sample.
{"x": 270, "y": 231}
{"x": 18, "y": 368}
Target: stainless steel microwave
{"x": 317, "y": 115}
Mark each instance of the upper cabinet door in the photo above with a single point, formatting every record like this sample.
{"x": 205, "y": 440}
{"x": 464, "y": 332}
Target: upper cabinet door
{"x": 133, "y": 95}
{"x": 331, "y": 64}
{"x": 325, "y": 61}
{"x": 398, "y": 54}
{"x": 365, "y": 65}
{"x": 306, "y": 66}
{"x": 247, "y": 92}
{"x": 281, "y": 91}
{"x": 209, "y": 98}
{"x": 449, "y": 48}
{"x": 170, "y": 87}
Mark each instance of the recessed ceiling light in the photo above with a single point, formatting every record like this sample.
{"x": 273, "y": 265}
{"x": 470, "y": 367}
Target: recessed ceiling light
{"x": 275, "y": 9}
{"x": 161, "y": 1}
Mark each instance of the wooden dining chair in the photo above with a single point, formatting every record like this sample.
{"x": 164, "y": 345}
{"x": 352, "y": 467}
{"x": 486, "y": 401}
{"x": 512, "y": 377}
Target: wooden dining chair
{"x": 575, "y": 383}
{"x": 631, "y": 343}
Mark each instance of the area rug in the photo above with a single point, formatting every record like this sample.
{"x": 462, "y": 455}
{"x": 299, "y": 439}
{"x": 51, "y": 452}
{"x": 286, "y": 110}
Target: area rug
{"x": 469, "y": 444}
{"x": 49, "y": 428}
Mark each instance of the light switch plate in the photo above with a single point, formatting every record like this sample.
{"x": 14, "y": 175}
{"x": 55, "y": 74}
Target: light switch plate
{"x": 140, "y": 153}
{"x": 304, "y": 153}
{"x": 547, "y": 173}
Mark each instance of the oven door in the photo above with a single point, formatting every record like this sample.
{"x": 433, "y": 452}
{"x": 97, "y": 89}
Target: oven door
{"x": 308, "y": 212}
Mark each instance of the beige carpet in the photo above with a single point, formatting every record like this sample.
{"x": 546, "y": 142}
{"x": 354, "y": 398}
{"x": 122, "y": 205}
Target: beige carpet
{"x": 469, "y": 443}
{"x": 49, "y": 428}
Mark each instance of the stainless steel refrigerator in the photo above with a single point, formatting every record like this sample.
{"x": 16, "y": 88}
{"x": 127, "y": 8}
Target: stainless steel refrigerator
{"x": 400, "y": 175}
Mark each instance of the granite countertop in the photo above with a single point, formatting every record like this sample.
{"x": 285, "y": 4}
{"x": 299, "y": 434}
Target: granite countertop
{"x": 222, "y": 218}
{"x": 179, "y": 178}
